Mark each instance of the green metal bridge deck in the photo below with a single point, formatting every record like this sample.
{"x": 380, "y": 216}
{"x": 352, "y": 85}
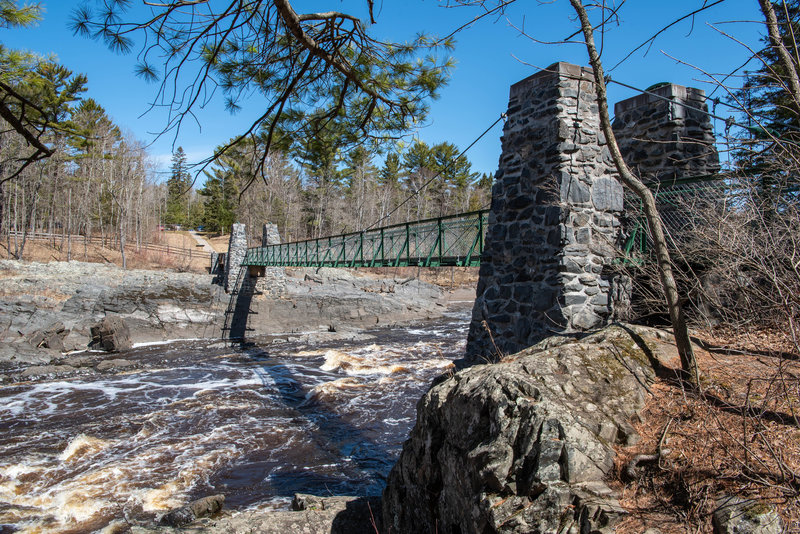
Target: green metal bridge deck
{"x": 443, "y": 241}
{"x": 458, "y": 240}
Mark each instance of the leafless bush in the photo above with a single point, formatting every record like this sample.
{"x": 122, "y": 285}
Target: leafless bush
{"x": 737, "y": 255}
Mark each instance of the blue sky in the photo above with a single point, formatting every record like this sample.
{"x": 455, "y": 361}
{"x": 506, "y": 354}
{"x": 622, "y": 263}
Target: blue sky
{"x": 491, "y": 55}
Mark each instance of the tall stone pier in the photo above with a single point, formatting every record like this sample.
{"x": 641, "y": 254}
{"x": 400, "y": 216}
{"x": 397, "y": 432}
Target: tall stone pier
{"x": 553, "y": 224}
{"x": 237, "y": 249}
{"x": 270, "y": 235}
{"x": 271, "y": 280}
{"x": 667, "y": 135}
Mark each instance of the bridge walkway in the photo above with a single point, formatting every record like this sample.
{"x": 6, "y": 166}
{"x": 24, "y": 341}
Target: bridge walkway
{"x": 455, "y": 240}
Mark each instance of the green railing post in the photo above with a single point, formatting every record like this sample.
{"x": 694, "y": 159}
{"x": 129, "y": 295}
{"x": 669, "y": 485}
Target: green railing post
{"x": 441, "y": 240}
{"x": 408, "y": 244}
{"x": 480, "y": 232}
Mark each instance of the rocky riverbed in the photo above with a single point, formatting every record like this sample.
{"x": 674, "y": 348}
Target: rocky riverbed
{"x": 314, "y": 401}
{"x": 47, "y": 310}
{"x": 317, "y": 402}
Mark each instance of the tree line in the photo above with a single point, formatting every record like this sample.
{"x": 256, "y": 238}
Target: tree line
{"x": 318, "y": 189}
{"x": 66, "y": 168}
{"x": 98, "y": 181}
{"x": 101, "y": 182}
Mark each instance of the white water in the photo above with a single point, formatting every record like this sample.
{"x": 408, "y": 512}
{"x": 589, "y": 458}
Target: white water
{"x": 256, "y": 425}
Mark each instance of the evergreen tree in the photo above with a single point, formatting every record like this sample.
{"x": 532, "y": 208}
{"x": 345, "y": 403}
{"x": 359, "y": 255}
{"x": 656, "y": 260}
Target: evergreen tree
{"x": 94, "y": 142}
{"x": 361, "y": 185}
{"x": 455, "y": 177}
{"x": 220, "y": 200}
{"x": 320, "y": 157}
{"x": 419, "y": 165}
{"x": 35, "y": 93}
{"x": 12, "y": 15}
{"x": 772, "y": 113}
{"x": 389, "y": 174}
{"x": 389, "y": 181}
{"x": 315, "y": 70}
{"x": 178, "y": 186}
{"x": 771, "y": 107}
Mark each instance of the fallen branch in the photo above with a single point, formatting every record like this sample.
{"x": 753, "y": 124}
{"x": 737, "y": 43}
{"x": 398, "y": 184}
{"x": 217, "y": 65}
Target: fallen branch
{"x": 630, "y": 468}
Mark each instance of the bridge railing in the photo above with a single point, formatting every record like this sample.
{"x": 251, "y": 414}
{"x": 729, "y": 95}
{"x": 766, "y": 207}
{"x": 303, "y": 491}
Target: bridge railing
{"x": 677, "y": 202}
{"x": 442, "y": 241}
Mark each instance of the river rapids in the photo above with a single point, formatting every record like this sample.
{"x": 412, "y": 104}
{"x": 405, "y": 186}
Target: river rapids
{"x": 256, "y": 424}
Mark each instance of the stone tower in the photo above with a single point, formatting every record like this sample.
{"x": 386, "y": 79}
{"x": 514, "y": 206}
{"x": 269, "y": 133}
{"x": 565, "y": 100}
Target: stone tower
{"x": 237, "y": 249}
{"x": 553, "y": 224}
{"x": 663, "y": 140}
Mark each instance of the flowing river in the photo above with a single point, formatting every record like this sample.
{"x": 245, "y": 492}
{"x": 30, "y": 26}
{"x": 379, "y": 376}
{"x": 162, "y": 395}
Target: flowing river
{"x": 199, "y": 418}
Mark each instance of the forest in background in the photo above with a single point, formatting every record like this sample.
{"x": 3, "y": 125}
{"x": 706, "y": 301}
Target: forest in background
{"x": 737, "y": 258}
{"x": 102, "y": 182}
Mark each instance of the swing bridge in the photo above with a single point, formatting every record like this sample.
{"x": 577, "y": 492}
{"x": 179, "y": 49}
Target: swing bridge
{"x": 455, "y": 240}
{"x": 458, "y": 240}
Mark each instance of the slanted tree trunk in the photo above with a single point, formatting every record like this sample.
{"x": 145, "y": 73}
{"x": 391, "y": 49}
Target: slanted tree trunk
{"x": 790, "y": 75}
{"x": 681, "y": 332}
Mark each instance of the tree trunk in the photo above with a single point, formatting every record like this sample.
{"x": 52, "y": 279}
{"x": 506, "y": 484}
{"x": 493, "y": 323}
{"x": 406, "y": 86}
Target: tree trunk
{"x": 785, "y": 57}
{"x": 68, "y": 226}
{"x": 122, "y": 245}
{"x": 30, "y": 216}
{"x": 2, "y": 210}
{"x": 680, "y": 331}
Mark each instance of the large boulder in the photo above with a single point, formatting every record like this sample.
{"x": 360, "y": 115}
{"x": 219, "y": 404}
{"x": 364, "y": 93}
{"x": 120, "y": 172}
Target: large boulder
{"x": 194, "y": 510}
{"x": 51, "y": 337}
{"x": 111, "y": 334}
{"x": 19, "y": 353}
{"x": 525, "y": 445}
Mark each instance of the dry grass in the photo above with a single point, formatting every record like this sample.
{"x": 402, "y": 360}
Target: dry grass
{"x": 46, "y": 251}
{"x": 175, "y": 239}
{"x": 48, "y": 293}
{"x": 218, "y": 242}
{"x": 740, "y": 437}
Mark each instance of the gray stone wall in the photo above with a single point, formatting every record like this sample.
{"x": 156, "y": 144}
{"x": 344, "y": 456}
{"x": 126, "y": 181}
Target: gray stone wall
{"x": 664, "y": 140}
{"x": 273, "y": 281}
{"x": 270, "y": 235}
{"x": 237, "y": 249}
{"x": 553, "y": 224}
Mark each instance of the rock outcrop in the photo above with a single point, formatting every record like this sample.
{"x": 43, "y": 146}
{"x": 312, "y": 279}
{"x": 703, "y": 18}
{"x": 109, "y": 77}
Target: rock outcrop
{"x": 525, "y": 445}
{"x": 56, "y": 304}
{"x": 111, "y": 335}
{"x": 735, "y": 515}
{"x": 51, "y": 337}
{"x": 194, "y": 510}
{"x": 309, "y": 515}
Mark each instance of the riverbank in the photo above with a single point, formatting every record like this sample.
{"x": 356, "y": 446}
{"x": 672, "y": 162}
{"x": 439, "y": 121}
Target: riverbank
{"x": 48, "y": 309}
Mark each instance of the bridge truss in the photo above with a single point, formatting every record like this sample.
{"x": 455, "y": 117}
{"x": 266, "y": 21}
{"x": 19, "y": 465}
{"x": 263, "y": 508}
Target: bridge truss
{"x": 458, "y": 240}
{"x": 442, "y": 241}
